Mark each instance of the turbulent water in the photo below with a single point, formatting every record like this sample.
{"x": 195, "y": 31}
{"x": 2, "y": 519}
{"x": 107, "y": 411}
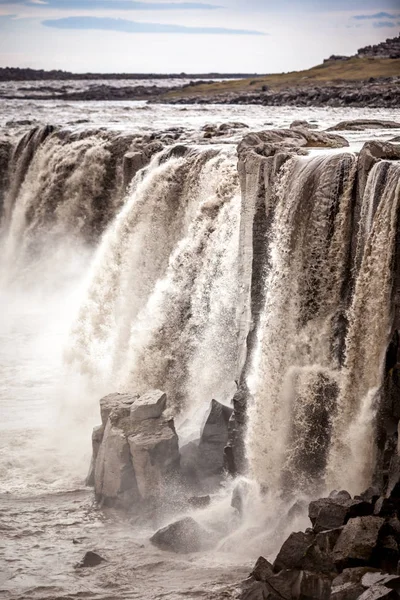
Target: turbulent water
{"x": 120, "y": 269}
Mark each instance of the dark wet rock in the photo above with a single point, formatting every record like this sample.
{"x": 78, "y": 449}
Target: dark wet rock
{"x": 357, "y": 541}
{"x": 262, "y": 570}
{"x": 335, "y": 511}
{"x": 213, "y": 439}
{"x": 91, "y": 559}
{"x": 384, "y": 507}
{"x": 362, "y": 124}
{"x": 363, "y": 582}
{"x": 387, "y": 553}
{"x": 308, "y": 551}
{"x": 395, "y": 139}
{"x": 294, "y": 551}
{"x": 149, "y": 405}
{"x": 234, "y": 453}
{"x": 199, "y": 501}
{"x": 182, "y": 536}
{"x": 370, "y": 495}
{"x": 285, "y": 585}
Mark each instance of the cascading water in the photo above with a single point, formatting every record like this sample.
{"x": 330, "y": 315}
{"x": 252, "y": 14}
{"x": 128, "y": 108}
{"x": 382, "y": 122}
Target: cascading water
{"x": 161, "y": 299}
{"x": 297, "y": 361}
{"x": 370, "y": 316}
{"x": 64, "y": 188}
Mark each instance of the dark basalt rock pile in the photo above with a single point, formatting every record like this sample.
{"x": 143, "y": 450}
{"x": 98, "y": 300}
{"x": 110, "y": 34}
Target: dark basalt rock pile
{"x": 350, "y": 553}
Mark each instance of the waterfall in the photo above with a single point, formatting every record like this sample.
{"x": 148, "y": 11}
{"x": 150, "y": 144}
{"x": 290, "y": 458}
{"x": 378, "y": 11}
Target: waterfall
{"x": 160, "y": 306}
{"x": 194, "y": 268}
{"x": 63, "y": 189}
{"x": 297, "y": 358}
{"x": 370, "y": 317}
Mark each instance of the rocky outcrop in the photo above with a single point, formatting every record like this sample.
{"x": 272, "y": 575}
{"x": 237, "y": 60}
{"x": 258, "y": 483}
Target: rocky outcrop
{"x": 388, "y": 49}
{"x": 372, "y": 93}
{"x": 135, "y": 451}
{"x": 356, "y": 560}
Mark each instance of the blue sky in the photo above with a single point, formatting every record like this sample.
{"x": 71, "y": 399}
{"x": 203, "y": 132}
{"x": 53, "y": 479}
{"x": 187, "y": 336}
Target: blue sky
{"x": 171, "y": 36}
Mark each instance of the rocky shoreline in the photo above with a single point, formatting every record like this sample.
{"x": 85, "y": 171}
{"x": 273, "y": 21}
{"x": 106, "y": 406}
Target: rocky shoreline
{"x": 372, "y": 93}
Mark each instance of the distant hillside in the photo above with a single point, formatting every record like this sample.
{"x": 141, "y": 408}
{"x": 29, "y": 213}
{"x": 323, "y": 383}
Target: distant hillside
{"x": 377, "y": 67}
{"x": 18, "y": 74}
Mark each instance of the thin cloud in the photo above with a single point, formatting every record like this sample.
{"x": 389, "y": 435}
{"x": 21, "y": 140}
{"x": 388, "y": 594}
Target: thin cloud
{"x": 126, "y": 26}
{"x": 111, "y": 5}
{"x": 380, "y": 15}
{"x": 382, "y": 24}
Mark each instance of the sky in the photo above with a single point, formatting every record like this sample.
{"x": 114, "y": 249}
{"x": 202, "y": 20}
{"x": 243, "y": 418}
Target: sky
{"x": 173, "y": 36}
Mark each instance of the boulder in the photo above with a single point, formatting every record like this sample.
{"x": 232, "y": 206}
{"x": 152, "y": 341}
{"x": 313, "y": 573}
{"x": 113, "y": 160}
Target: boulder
{"x": 149, "y": 405}
{"x": 286, "y": 585}
{"x": 335, "y": 511}
{"x": 91, "y": 559}
{"x": 308, "y": 551}
{"x": 262, "y": 570}
{"x": 293, "y": 552}
{"x": 357, "y": 541}
{"x": 183, "y": 536}
{"x": 154, "y": 452}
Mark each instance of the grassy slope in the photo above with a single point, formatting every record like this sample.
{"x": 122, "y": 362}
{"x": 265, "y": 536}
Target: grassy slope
{"x": 355, "y": 69}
